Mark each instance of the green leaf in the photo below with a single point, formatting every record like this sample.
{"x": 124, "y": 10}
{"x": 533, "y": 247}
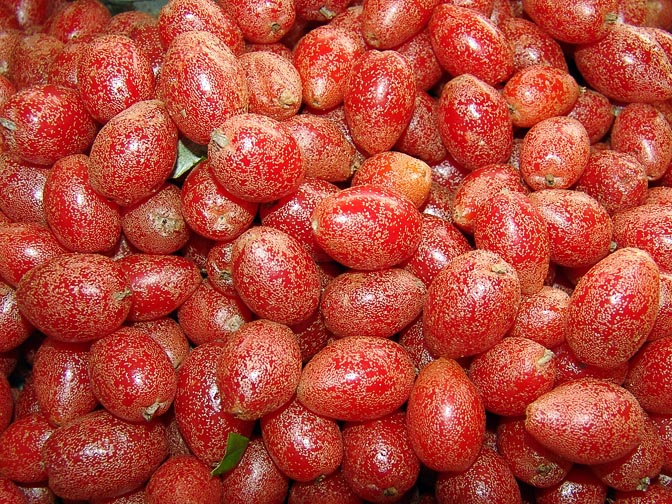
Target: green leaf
{"x": 189, "y": 154}
{"x": 235, "y": 447}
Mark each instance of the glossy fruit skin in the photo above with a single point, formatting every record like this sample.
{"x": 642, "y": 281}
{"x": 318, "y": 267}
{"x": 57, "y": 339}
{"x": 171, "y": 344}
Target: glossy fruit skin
{"x": 81, "y": 219}
{"x": 134, "y": 153}
{"x": 661, "y": 327}
{"x": 509, "y": 225}
{"x": 379, "y": 463}
{"x": 367, "y": 227}
{"x": 255, "y": 158}
{"x": 338, "y": 381}
{"x": 33, "y": 54}
{"x": 170, "y": 337}
{"x": 218, "y": 268}
{"x": 532, "y": 45}
{"x": 201, "y": 83}
{"x": 568, "y": 368}
{"x": 96, "y": 444}
{"x": 638, "y": 68}
{"x": 62, "y": 383}
{"x": 474, "y": 122}
{"x": 613, "y": 308}
{"x": 420, "y": 56}
{"x": 594, "y": 111}
{"x": 75, "y": 297}
{"x": 82, "y": 19}
{"x": 592, "y": 421}
{"x": 21, "y": 449}
{"x": 6, "y": 403}
{"x": 113, "y": 74}
{"x": 580, "y": 485}
{"x": 488, "y": 480}
{"x": 541, "y": 317}
{"x": 10, "y": 493}
{"x": 63, "y": 68}
{"x": 14, "y": 328}
{"x": 198, "y": 408}
{"x": 445, "y": 417}
{"x": 421, "y": 138}
{"x": 386, "y": 25}
{"x": 466, "y": 42}
{"x": 303, "y": 445}
{"x": 648, "y": 377}
{"x": 332, "y": 489}
{"x": 653, "y": 494}
{"x": 41, "y": 124}
{"x": 263, "y": 22}
{"x": 183, "y": 478}
{"x": 372, "y": 303}
{"x": 22, "y": 190}
{"x": 379, "y": 97}
{"x": 470, "y": 304}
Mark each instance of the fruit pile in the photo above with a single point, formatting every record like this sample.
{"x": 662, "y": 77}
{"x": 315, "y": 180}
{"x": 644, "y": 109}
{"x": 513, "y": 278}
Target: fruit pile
{"x": 336, "y": 252}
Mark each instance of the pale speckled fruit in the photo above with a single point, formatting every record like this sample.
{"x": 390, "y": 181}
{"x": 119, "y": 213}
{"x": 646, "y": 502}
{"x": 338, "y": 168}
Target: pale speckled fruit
{"x": 183, "y": 479}
{"x": 649, "y": 376}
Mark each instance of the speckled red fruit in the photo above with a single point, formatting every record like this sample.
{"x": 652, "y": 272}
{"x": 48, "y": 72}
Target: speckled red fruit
{"x": 541, "y": 317}
{"x": 11, "y": 493}
{"x": 255, "y": 158}
{"x": 627, "y": 65}
{"x": 568, "y": 368}
{"x": 574, "y": 22}
{"x": 63, "y": 69}
{"x": 531, "y": 44}
{"x": 6, "y": 403}
{"x": 255, "y": 479}
{"x": 183, "y": 479}
{"x": 613, "y": 308}
{"x": 356, "y": 379}
{"x": 81, "y": 219}
{"x": 587, "y": 421}
{"x": 218, "y": 268}
{"x": 303, "y": 445}
{"x": 474, "y": 122}
{"x": 98, "y": 455}
{"x": 420, "y": 56}
{"x": 134, "y": 153}
{"x": 14, "y": 327}
{"x": 372, "y": 303}
{"x": 263, "y": 21}
{"x": 470, "y": 305}
{"x": 169, "y": 335}
{"x": 75, "y": 297}
{"x": 198, "y": 409}
{"x": 159, "y": 283}
{"x": 31, "y": 58}
{"x": 332, "y": 489}
{"x": 367, "y": 227}
{"x": 22, "y": 190}
{"x": 421, "y": 138}
{"x": 594, "y": 111}
{"x": 201, "y": 84}
{"x": 387, "y": 24}
{"x": 81, "y": 19}
{"x": 579, "y": 228}
{"x": 62, "y": 383}
{"x": 654, "y": 494}
{"x": 123, "y": 23}
{"x": 21, "y": 449}
{"x": 41, "y": 124}
{"x": 579, "y": 486}
{"x": 649, "y": 376}
{"x": 662, "y": 327}
{"x": 379, "y": 99}
{"x": 489, "y": 479}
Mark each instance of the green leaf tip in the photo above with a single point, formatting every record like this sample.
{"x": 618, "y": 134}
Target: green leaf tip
{"x": 235, "y": 447}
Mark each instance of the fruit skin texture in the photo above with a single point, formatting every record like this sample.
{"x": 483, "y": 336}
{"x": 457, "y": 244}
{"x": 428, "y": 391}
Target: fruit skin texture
{"x": 134, "y": 153}
{"x": 367, "y": 227}
{"x": 183, "y": 479}
{"x": 21, "y": 449}
{"x": 649, "y": 376}
{"x": 613, "y": 308}
{"x": 357, "y": 378}
{"x": 470, "y": 305}
{"x": 474, "y": 122}
{"x": 580, "y": 486}
{"x": 14, "y": 327}
{"x": 379, "y": 99}
{"x": 332, "y": 489}
{"x": 541, "y": 317}
{"x": 587, "y": 421}
{"x": 386, "y": 25}
{"x": 445, "y": 417}
{"x": 21, "y": 190}
{"x": 75, "y": 297}
{"x": 6, "y": 403}
{"x": 98, "y": 455}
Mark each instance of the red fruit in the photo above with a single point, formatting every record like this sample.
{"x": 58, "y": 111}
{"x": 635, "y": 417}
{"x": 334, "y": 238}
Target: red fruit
{"x": 62, "y": 383}
{"x": 75, "y": 297}
{"x": 531, "y": 44}
{"x": 649, "y": 376}
{"x": 488, "y": 480}
{"x": 99, "y": 455}
{"x": 201, "y": 84}
{"x": 10, "y": 493}
{"x": 31, "y": 58}
{"x": 642, "y": 130}
{"x": 14, "y": 328}
{"x": 159, "y": 283}
{"x": 255, "y": 158}
{"x": 63, "y": 69}
{"x": 259, "y": 369}
{"x": 655, "y": 494}
{"x": 470, "y": 304}
{"x": 613, "y": 308}
{"x": 169, "y": 335}
{"x": 379, "y": 463}
{"x": 124, "y": 22}
{"x": 81, "y": 19}
{"x": 21, "y": 190}
{"x": 203, "y": 424}
{"x": 44, "y": 123}
{"x": 367, "y": 227}
{"x": 663, "y": 426}
{"x": 662, "y": 327}
{"x": 183, "y": 479}
{"x": 386, "y": 24}
{"x": 6, "y": 403}
{"x": 587, "y": 421}
{"x": 179, "y": 16}
{"x": 412, "y": 338}
{"x": 263, "y": 21}
{"x": 579, "y": 228}
{"x": 218, "y": 268}
{"x": 81, "y": 219}
{"x": 575, "y": 22}
{"x": 303, "y": 445}
{"x": 357, "y": 378}
{"x": 627, "y": 65}
{"x": 529, "y": 461}
{"x": 594, "y": 111}
{"x": 255, "y": 479}
{"x": 332, "y": 489}
{"x": 474, "y": 122}
{"x": 539, "y": 92}
{"x": 445, "y": 417}
{"x": 421, "y": 138}
{"x": 21, "y": 449}
{"x": 568, "y": 368}
{"x": 131, "y": 375}
{"x": 509, "y": 225}
{"x": 512, "y": 374}
{"x": 659, "y": 195}
{"x": 420, "y": 56}
{"x": 541, "y": 317}
{"x": 580, "y": 486}
{"x": 379, "y": 99}
{"x": 312, "y": 10}
{"x": 554, "y": 153}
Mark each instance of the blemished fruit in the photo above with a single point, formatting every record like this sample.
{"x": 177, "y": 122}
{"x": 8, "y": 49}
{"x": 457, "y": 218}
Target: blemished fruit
{"x": 336, "y": 252}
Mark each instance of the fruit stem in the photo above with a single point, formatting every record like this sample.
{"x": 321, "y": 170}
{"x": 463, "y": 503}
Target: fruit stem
{"x": 546, "y": 358}
{"x": 219, "y": 138}
{"x": 120, "y": 296}
{"x": 7, "y": 124}
{"x": 326, "y": 12}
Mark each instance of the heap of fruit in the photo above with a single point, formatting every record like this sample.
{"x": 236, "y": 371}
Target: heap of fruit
{"x": 335, "y": 252}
